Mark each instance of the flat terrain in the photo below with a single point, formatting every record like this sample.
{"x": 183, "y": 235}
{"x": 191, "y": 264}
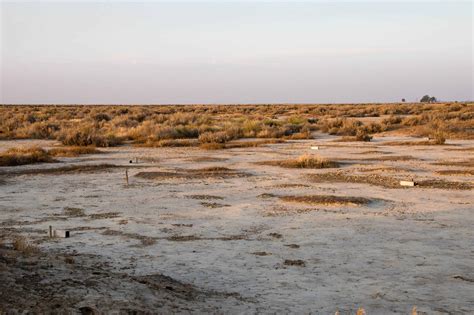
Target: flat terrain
{"x": 226, "y": 231}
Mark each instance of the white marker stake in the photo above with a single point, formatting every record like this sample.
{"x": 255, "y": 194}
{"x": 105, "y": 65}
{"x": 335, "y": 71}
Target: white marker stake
{"x": 61, "y": 233}
{"x": 314, "y": 148}
{"x": 407, "y": 183}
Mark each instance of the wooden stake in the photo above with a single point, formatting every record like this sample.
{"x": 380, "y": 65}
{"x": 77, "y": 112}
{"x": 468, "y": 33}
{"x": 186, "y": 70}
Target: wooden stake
{"x": 50, "y": 231}
{"x": 126, "y": 176}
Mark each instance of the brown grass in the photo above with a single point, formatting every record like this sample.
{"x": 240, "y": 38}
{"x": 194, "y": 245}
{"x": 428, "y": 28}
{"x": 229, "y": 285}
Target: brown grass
{"x": 73, "y": 151}
{"x": 21, "y": 244}
{"x": 22, "y": 156}
{"x": 304, "y": 161}
{"x": 328, "y": 200}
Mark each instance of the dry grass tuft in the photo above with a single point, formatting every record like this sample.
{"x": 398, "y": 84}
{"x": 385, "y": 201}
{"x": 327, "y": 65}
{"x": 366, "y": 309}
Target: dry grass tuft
{"x": 22, "y": 245}
{"x": 22, "y": 156}
{"x": 328, "y": 200}
{"x": 304, "y": 161}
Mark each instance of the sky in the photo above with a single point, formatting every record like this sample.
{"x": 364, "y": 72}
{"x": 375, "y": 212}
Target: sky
{"x": 109, "y": 52}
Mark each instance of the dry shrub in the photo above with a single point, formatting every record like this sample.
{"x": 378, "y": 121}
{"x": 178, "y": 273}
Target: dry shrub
{"x": 304, "y": 161}
{"x": 439, "y": 138}
{"x": 22, "y": 245}
{"x": 363, "y": 135}
{"x": 88, "y": 135}
{"x": 22, "y": 156}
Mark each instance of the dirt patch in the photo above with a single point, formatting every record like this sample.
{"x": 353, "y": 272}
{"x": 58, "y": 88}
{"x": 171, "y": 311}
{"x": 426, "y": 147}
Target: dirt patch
{"x": 405, "y": 143}
{"x": 290, "y": 185}
{"x": 214, "y": 205}
{"x": 296, "y": 262}
{"x": 208, "y": 172}
{"x": 204, "y": 197}
{"x": 386, "y": 169}
{"x": 145, "y": 240}
{"x": 294, "y": 246}
{"x": 304, "y": 161}
{"x": 187, "y": 238}
{"x": 444, "y": 184}
{"x": 392, "y": 158}
{"x": 206, "y": 159}
{"x": 275, "y": 235}
{"x": 328, "y": 200}
{"x": 371, "y": 179}
{"x": 105, "y": 215}
{"x": 71, "y": 169}
{"x": 385, "y": 181}
{"x": 373, "y": 152}
{"x": 466, "y": 172}
{"x": 70, "y": 278}
{"x": 465, "y": 163}
{"x": 266, "y": 196}
{"x": 261, "y": 253}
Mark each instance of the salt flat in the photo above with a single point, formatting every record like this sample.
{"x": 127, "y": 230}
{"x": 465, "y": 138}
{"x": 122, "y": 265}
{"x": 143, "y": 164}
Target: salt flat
{"x": 241, "y": 247}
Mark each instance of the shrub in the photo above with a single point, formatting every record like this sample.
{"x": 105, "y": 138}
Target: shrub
{"x": 439, "y": 138}
{"x": 363, "y": 135}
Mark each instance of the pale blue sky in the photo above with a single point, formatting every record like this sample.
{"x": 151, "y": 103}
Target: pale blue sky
{"x": 235, "y": 52}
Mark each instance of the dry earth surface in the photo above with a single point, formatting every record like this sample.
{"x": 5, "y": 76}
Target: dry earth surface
{"x": 218, "y": 232}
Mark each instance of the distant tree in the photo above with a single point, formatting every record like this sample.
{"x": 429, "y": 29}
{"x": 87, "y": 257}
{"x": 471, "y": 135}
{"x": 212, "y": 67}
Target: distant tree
{"x": 403, "y": 100}
{"x": 428, "y": 99}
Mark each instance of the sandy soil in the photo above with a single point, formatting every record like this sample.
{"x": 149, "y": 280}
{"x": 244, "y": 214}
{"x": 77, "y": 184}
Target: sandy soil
{"x": 229, "y": 244}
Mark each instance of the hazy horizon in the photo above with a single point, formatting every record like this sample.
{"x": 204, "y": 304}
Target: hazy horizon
{"x": 235, "y": 53}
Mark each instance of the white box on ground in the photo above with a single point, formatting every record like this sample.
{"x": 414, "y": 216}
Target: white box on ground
{"x": 61, "y": 233}
{"x": 315, "y": 148}
{"x": 407, "y": 183}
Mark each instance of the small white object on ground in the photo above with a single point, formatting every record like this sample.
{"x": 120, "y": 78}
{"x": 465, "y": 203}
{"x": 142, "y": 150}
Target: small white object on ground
{"x": 315, "y": 148}
{"x": 61, "y": 233}
{"x": 406, "y": 183}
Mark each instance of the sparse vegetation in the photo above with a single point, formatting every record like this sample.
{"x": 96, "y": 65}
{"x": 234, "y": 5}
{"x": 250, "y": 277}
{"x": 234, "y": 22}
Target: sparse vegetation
{"x": 73, "y": 151}
{"x": 304, "y": 161}
{"x": 104, "y": 126}
{"x": 22, "y": 156}
{"x": 328, "y": 200}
